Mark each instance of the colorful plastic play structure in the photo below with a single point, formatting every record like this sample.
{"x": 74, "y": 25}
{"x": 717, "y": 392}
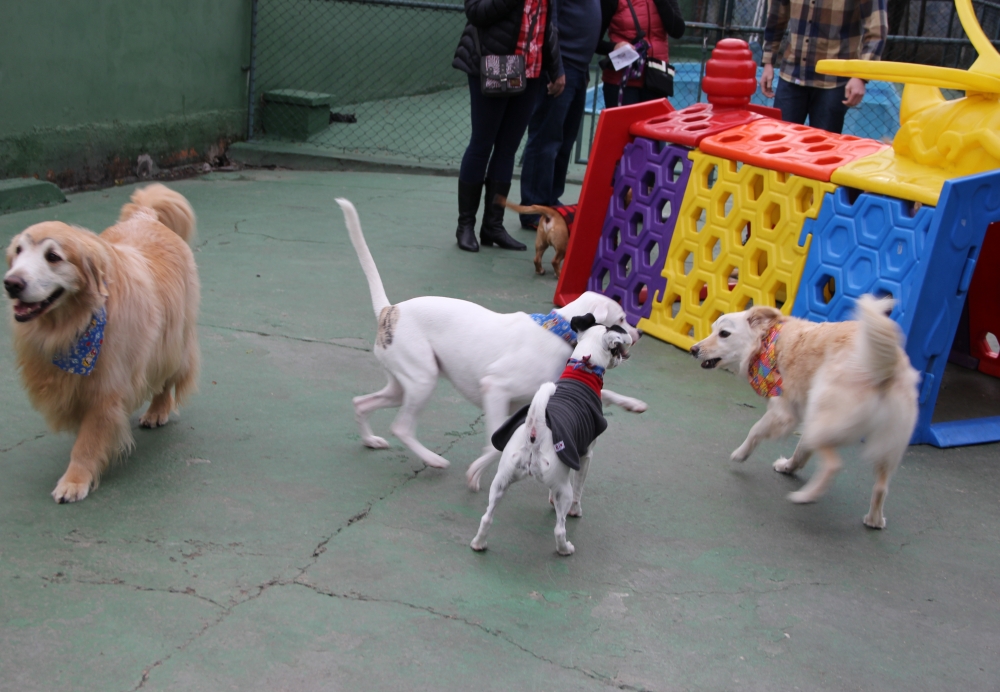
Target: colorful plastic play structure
{"x": 687, "y": 214}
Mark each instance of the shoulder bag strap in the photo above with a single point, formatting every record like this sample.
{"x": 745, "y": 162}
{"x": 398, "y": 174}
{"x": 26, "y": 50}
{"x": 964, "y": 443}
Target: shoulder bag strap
{"x": 639, "y": 33}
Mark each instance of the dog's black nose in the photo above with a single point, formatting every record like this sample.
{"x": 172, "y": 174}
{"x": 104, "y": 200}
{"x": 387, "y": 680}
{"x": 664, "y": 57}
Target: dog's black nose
{"x": 694, "y": 350}
{"x": 14, "y": 285}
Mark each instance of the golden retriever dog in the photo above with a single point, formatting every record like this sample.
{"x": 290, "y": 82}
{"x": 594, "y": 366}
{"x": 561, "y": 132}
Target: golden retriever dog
{"x": 845, "y": 382}
{"x": 103, "y": 323}
{"x": 553, "y": 231}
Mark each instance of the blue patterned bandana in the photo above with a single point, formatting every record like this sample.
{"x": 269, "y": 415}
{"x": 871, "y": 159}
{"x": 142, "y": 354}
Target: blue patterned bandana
{"x": 82, "y": 356}
{"x": 557, "y": 324}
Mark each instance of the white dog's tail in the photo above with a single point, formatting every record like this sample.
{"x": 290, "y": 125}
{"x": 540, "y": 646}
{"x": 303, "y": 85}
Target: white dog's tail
{"x": 380, "y": 300}
{"x": 878, "y": 345}
{"x": 534, "y": 422}
{"x": 170, "y": 207}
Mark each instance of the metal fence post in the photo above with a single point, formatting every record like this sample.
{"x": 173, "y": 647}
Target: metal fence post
{"x": 253, "y": 70}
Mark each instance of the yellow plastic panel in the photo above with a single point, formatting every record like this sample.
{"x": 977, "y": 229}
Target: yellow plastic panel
{"x": 732, "y": 217}
{"x": 887, "y": 173}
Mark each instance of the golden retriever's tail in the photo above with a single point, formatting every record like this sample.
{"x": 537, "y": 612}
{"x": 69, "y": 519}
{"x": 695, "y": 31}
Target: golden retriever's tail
{"x": 170, "y": 207}
{"x": 879, "y": 343}
{"x": 379, "y": 299}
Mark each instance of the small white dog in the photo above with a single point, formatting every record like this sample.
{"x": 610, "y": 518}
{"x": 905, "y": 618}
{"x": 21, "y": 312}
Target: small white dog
{"x": 846, "y": 382}
{"x": 553, "y": 439}
{"x": 494, "y": 360}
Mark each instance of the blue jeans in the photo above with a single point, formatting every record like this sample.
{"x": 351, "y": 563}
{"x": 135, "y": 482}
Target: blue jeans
{"x": 497, "y": 127}
{"x": 824, "y": 107}
{"x": 551, "y": 135}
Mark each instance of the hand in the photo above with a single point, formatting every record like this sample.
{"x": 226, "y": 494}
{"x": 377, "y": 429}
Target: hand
{"x": 854, "y": 92}
{"x": 621, "y": 44}
{"x": 555, "y": 88}
{"x": 767, "y": 82}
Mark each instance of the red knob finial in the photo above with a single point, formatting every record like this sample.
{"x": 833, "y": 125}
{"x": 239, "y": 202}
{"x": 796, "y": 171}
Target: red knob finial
{"x": 730, "y": 74}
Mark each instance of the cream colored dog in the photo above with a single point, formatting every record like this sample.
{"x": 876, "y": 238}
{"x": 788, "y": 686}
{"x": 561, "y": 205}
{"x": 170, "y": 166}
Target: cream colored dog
{"x": 103, "y": 323}
{"x": 846, "y": 382}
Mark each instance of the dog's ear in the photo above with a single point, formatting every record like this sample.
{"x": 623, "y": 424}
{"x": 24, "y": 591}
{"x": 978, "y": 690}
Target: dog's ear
{"x": 94, "y": 271}
{"x": 582, "y": 323}
{"x": 762, "y": 317}
{"x": 600, "y": 313}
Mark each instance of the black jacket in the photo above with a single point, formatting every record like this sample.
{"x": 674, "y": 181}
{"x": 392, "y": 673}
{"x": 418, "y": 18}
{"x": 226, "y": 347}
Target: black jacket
{"x": 499, "y": 23}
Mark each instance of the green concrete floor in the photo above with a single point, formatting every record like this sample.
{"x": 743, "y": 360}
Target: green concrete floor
{"x": 254, "y": 544}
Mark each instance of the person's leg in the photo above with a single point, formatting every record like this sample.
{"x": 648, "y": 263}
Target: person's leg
{"x": 571, "y": 128}
{"x": 610, "y": 94}
{"x": 827, "y": 109}
{"x": 533, "y": 163}
{"x": 486, "y": 120}
{"x": 792, "y": 100}
{"x": 501, "y": 167}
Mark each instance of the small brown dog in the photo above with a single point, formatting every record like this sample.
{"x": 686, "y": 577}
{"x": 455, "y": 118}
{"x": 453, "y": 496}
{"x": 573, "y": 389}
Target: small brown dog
{"x": 103, "y": 323}
{"x": 553, "y": 230}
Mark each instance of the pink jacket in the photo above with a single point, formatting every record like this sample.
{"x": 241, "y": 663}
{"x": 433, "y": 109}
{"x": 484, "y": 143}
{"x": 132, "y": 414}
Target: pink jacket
{"x": 622, "y": 28}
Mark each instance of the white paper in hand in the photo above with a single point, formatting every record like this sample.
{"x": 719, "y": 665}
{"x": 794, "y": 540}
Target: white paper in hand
{"x": 623, "y": 57}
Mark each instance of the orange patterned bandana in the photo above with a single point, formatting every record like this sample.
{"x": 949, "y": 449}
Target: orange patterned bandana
{"x": 763, "y": 372}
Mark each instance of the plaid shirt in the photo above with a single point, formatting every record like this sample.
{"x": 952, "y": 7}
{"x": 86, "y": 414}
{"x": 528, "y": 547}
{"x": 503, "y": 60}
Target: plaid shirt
{"x": 533, "y": 22}
{"x": 820, "y": 29}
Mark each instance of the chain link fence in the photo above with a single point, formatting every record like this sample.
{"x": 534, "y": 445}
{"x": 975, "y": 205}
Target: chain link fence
{"x": 373, "y": 78}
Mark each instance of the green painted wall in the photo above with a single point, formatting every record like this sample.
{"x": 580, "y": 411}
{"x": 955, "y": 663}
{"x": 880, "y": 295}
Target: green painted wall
{"x": 85, "y": 87}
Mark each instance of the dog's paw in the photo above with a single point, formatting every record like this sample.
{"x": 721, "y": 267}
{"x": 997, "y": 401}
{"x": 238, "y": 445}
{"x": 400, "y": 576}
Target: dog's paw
{"x": 739, "y": 455}
{"x": 575, "y": 510}
{"x": 478, "y": 545}
{"x": 68, "y": 491}
{"x": 375, "y": 442}
{"x": 784, "y": 465}
{"x": 801, "y": 497}
{"x": 152, "y": 419}
{"x": 436, "y": 461}
{"x": 634, "y": 405}
{"x": 566, "y": 550}
{"x": 872, "y": 523}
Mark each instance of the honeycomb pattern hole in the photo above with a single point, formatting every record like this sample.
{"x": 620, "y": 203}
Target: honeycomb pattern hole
{"x": 852, "y": 195}
{"x": 715, "y": 315}
{"x": 665, "y": 210}
{"x": 748, "y": 304}
{"x": 635, "y": 225}
{"x": 827, "y": 289}
{"x": 699, "y": 216}
{"x": 804, "y": 199}
{"x": 687, "y": 262}
{"x": 755, "y": 188}
{"x": 604, "y": 278}
{"x": 758, "y": 263}
{"x": 772, "y": 216}
{"x": 745, "y": 234}
{"x": 648, "y": 183}
{"x": 711, "y": 177}
{"x": 912, "y": 208}
{"x": 701, "y": 290}
{"x": 626, "y": 196}
{"x": 675, "y": 305}
{"x": 614, "y": 239}
{"x": 641, "y": 294}
{"x": 772, "y": 137}
{"x": 780, "y": 295}
{"x": 732, "y": 274}
{"x": 676, "y": 169}
{"x": 713, "y": 249}
{"x": 625, "y": 266}
{"x": 725, "y": 205}
{"x": 651, "y": 253}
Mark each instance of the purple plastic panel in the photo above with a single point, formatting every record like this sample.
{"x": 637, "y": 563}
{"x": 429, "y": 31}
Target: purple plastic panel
{"x": 648, "y": 187}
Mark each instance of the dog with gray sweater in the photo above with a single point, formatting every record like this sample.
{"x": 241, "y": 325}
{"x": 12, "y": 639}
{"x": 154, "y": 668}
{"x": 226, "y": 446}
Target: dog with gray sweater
{"x": 553, "y": 438}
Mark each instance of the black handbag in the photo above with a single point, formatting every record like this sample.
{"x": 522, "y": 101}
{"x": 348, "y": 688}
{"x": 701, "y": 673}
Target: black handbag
{"x": 658, "y": 75}
{"x": 503, "y": 75}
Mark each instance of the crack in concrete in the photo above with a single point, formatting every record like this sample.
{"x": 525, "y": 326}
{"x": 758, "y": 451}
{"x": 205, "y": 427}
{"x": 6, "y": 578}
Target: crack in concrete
{"x": 25, "y": 440}
{"x": 237, "y": 231}
{"x": 304, "y": 339}
{"x": 499, "y": 634}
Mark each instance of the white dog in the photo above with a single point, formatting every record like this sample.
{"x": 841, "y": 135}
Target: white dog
{"x": 553, "y": 439}
{"x": 494, "y": 360}
{"x": 847, "y": 382}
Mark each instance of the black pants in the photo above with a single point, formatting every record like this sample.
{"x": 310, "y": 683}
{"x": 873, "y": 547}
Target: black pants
{"x": 824, "y": 107}
{"x": 498, "y": 124}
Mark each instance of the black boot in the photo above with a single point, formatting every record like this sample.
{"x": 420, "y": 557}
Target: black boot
{"x": 468, "y": 205}
{"x": 492, "y": 231}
